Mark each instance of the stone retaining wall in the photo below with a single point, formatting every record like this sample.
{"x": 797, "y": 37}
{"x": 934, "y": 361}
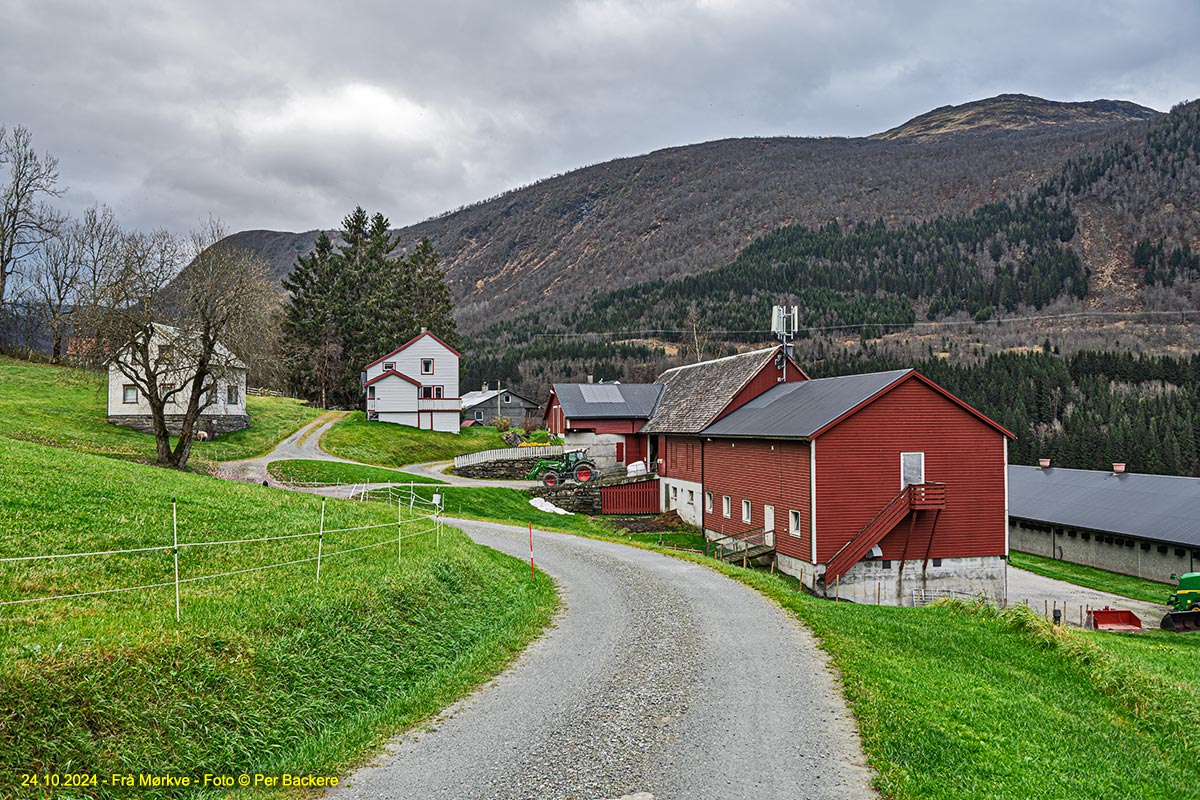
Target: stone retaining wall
{"x": 578, "y": 497}
{"x": 513, "y": 469}
{"x": 215, "y": 424}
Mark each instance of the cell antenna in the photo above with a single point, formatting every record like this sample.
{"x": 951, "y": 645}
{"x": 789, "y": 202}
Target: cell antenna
{"x": 785, "y": 321}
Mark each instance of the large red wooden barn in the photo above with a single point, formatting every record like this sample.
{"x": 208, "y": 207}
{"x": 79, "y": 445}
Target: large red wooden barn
{"x": 606, "y": 418}
{"x": 867, "y": 485}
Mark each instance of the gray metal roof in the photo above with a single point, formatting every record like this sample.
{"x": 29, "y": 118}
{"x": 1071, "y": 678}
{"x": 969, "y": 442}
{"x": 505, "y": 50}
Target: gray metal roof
{"x": 608, "y": 400}
{"x": 471, "y": 399}
{"x": 1164, "y": 508}
{"x": 696, "y": 393}
{"x": 798, "y": 410}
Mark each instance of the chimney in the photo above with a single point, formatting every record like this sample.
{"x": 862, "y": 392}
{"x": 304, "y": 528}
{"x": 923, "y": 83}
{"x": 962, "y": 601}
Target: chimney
{"x": 1044, "y": 463}
{"x": 485, "y": 386}
{"x": 1119, "y": 468}
{"x": 589, "y": 377}
{"x": 424, "y": 329}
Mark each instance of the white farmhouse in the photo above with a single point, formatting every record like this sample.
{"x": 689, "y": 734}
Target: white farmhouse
{"x": 415, "y": 385}
{"x": 169, "y": 346}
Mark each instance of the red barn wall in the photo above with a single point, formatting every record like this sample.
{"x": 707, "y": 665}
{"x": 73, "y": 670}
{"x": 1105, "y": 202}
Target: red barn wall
{"x": 858, "y": 473}
{"x": 606, "y": 425}
{"x": 763, "y": 472}
{"x": 680, "y": 457}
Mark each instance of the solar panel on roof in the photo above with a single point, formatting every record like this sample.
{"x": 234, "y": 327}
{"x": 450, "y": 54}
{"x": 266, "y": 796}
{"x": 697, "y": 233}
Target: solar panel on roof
{"x": 601, "y": 393}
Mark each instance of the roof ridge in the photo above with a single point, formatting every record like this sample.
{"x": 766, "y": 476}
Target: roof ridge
{"x": 717, "y": 360}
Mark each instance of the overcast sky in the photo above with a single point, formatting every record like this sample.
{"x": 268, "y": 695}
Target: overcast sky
{"x": 285, "y": 115}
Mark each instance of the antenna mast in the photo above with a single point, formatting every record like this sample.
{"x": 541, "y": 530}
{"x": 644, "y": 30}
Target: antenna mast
{"x": 785, "y": 321}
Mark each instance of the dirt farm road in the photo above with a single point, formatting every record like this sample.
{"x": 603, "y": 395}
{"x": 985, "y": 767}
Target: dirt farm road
{"x": 659, "y": 679}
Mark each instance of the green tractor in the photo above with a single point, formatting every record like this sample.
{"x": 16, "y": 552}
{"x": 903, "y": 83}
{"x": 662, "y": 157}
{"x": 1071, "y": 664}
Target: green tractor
{"x": 572, "y": 464}
{"x": 1184, "y": 604}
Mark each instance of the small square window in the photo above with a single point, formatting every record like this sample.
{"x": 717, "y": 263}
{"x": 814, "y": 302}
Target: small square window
{"x": 231, "y": 395}
{"x": 746, "y": 516}
{"x": 708, "y": 506}
{"x": 794, "y": 523}
{"x": 479, "y": 416}
{"x": 426, "y": 392}
{"x": 438, "y": 392}
{"x": 937, "y": 562}
{"x": 389, "y": 366}
{"x": 129, "y": 393}
{"x": 691, "y": 498}
{"x": 507, "y": 399}
{"x": 887, "y": 565}
{"x": 426, "y": 366}
{"x": 726, "y": 506}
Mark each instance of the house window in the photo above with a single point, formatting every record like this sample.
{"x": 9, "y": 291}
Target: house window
{"x": 479, "y": 416}
{"x": 389, "y": 366}
{"x": 746, "y": 511}
{"x": 912, "y": 469}
{"x": 794, "y": 523}
{"x": 370, "y": 392}
{"x": 507, "y": 399}
{"x": 439, "y": 392}
{"x": 129, "y": 393}
{"x": 231, "y": 395}
{"x": 165, "y": 389}
{"x": 708, "y": 502}
{"x": 726, "y": 505}
{"x": 426, "y": 366}
{"x": 431, "y": 392}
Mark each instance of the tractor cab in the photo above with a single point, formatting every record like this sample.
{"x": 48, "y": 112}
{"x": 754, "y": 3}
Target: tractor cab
{"x": 1184, "y": 604}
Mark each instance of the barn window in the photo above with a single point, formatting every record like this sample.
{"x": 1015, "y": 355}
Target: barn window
{"x": 768, "y": 518}
{"x": 1162, "y": 548}
{"x": 937, "y": 562}
{"x": 1179, "y": 551}
{"x": 708, "y": 502}
{"x": 129, "y": 393}
{"x": 691, "y": 498}
{"x": 1085, "y": 536}
{"x": 886, "y": 564}
{"x": 746, "y": 515}
{"x": 1071, "y": 534}
{"x": 726, "y": 506}
{"x": 1145, "y": 545}
{"x": 912, "y": 469}
{"x": 389, "y": 366}
{"x": 426, "y": 366}
{"x": 794, "y": 523}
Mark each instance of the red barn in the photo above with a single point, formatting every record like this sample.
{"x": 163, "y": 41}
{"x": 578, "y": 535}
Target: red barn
{"x": 867, "y": 485}
{"x": 603, "y": 417}
{"x": 693, "y": 397}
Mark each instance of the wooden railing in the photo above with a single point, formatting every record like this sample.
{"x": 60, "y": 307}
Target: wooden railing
{"x": 927, "y": 495}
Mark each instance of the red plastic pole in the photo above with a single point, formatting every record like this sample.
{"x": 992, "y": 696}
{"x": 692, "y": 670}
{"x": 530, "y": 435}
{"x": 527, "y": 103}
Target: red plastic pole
{"x": 532, "y": 571}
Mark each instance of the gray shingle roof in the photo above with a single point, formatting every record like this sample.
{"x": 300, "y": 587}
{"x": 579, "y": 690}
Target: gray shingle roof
{"x": 694, "y": 394}
{"x": 607, "y": 400}
{"x": 798, "y": 410}
{"x": 1164, "y": 508}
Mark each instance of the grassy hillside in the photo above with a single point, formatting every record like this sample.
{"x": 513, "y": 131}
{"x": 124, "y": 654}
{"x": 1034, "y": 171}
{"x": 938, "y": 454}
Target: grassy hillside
{"x": 267, "y": 672}
{"x": 67, "y": 407}
{"x": 306, "y": 471}
{"x": 398, "y": 445}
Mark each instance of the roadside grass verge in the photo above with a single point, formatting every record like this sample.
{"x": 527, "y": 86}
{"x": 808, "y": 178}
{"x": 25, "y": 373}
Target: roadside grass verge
{"x": 505, "y": 505}
{"x": 310, "y": 471}
{"x": 387, "y": 445}
{"x": 958, "y": 700}
{"x": 67, "y": 407}
{"x": 267, "y": 672}
{"x": 1093, "y": 578}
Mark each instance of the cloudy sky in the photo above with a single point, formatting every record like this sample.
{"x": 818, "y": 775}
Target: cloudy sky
{"x": 285, "y": 115}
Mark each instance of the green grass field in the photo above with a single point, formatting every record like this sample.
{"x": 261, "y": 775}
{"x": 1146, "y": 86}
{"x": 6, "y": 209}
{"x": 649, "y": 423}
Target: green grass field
{"x": 66, "y": 407}
{"x": 268, "y": 671}
{"x": 1092, "y": 578}
{"x": 311, "y": 472}
{"x": 387, "y": 445}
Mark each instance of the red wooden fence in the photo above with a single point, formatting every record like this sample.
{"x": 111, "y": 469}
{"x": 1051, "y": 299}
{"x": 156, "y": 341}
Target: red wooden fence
{"x": 630, "y": 498}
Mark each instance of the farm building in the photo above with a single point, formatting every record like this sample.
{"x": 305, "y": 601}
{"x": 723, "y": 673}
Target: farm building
{"x": 864, "y": 484}
{"x": 488, "y": 404}
{"x": 416, "y": 385}
{"x": 223, "y": 409}
{"x": 606, "y": 418}
{"x": 692, "y": 398}
{"x": 1143, "y": 525}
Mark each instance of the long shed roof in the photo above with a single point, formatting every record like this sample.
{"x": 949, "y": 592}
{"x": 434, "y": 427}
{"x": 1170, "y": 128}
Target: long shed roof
{"x": 800, "y": 410}
{"x": 607, "y": 400}
{"x": 1164, "y": 508}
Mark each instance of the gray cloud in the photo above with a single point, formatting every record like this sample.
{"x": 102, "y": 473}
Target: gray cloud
{"x": 286, "y": 115}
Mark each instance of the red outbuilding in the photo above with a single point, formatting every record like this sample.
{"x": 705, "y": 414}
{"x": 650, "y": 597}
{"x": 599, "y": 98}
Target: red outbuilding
{"x": 867, "y": 486}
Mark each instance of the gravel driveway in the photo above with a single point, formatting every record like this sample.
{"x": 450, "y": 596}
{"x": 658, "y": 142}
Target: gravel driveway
{"x": 659, "y": 679}
{"x": 1040, "y": 591}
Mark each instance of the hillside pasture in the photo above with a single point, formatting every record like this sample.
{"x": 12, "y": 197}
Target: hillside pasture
{"x": 387, "y": 445}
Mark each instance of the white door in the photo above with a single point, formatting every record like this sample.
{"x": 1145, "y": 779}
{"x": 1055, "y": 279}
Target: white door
{"x": 912, "y": 469}
{"x": 769, "y": 525}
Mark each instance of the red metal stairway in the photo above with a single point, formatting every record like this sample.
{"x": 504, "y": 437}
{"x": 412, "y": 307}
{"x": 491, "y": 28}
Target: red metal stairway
{"x": 912, "y": 499}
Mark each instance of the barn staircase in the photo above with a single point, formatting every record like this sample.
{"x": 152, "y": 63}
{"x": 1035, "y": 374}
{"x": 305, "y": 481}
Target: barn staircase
{"x": 912, "y": 500}
{"x": 744, "y": 548}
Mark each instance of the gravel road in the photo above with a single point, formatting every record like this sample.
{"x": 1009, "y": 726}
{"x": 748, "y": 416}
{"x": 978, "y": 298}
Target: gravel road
{"x": 1040, "y": 591}
{"x": 659, "y": 679}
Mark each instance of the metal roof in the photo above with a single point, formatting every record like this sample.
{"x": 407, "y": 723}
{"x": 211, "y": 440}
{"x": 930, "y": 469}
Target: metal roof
{"x": 1165, "y": 508}
{"x": 608, "y": 400}
{"x": 475, "y": 398}
{"x": 799, "y": 410}
{"x": 694, "y": 394}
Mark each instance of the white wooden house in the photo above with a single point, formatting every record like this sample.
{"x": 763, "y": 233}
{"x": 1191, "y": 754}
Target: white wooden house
{"x": 415, "y": 385}
{"x": 169, "y": 346}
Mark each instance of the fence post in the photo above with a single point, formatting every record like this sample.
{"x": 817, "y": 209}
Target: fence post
{"x": 175, "y": 550}
{"x": 320, "y": 541}
{"x": 399, "y": 537}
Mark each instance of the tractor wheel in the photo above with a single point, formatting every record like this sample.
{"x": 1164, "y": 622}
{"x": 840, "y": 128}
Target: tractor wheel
{"x": 1195, "y": 606}
{"x": 551, "y": 479}
{"x": 584, "y": 473}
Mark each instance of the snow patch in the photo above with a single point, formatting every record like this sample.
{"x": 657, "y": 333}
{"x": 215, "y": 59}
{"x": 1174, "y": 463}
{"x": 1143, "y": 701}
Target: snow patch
{"x": 542, "y": 504}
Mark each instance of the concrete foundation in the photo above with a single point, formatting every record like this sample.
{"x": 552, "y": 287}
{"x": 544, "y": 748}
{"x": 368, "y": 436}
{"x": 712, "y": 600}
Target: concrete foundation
{"x": 891, "y": 585}
{"x": 685, "y": 497}
{"x": 215, "y": 424}
{"x": 1128, "y": 555}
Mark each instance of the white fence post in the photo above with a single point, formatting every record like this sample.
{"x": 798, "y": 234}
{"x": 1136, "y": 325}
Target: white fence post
{"x": 175, "y": 549}
{"x": 399, "y": 536}
{"x": 320, "y": 541}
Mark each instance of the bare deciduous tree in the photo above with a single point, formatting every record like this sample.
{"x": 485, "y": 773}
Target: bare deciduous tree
{"x": 26, "y": 220}
{"x": 174, "y": 333}
{"x": 52, "y": 285}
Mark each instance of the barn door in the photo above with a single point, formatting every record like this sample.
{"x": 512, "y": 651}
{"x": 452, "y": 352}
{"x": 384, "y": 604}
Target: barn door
{"x": 912, "y": 469}
{"x": 769, "y": 525}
